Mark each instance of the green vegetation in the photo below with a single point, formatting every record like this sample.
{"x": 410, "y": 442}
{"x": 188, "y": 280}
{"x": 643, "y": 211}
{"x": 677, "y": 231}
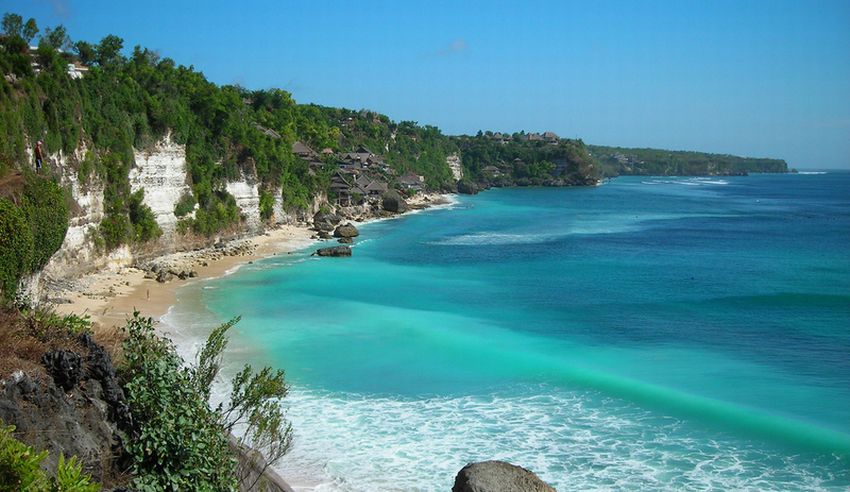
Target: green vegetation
{"x": 33, "y": 222}
{"x": 20, "y": 469}
{"x": 522, "y": 162}
{"x": 180, "y": 443}
{"x": 618, "y": 160}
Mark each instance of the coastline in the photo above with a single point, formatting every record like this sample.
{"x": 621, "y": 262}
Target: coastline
{"x": 110, "y": 296}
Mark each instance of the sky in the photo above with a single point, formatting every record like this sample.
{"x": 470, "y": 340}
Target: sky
{"x": 755, "y": 78}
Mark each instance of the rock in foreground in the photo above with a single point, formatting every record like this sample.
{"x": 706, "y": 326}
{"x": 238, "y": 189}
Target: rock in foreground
{"x": 498, "y": 476}
{"x": 334, "y": 251}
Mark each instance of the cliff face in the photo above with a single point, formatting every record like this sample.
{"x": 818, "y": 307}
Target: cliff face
{"x": 163, "y": 174}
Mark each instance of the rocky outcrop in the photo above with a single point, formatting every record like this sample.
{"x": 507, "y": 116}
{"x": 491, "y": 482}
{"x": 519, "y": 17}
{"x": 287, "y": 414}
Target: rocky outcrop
{"x": 325, "y": 221}
{"x": 498, "y": 476}
{"x": 467, "y": 187}
{"x": 346, "y": 230}
{"x": 77, "y": 410}
{"x": 392, "y": 201}
{"x": 453, "y": 161}
{"x": 333, "y": 251}
{"x": 254, "y": 472}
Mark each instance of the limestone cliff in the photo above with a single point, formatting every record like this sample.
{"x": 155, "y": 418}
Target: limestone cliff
{"x": 161, "y": 171}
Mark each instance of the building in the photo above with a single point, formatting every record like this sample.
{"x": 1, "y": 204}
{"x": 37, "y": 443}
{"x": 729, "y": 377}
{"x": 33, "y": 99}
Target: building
{"x": 411, "y": 181}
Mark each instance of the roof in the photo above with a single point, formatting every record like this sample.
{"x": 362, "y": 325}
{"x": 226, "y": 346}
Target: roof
{"x": 300, "y": 148}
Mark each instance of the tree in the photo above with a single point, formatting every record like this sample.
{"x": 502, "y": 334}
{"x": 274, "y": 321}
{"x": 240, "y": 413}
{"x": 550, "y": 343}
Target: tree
{"x": 30, "y": 30}
{"x": 57, "y": 38}
{"x": 86, "y": 52}
{"x": 13, "y": 25}
{"x": 109, "y": 51}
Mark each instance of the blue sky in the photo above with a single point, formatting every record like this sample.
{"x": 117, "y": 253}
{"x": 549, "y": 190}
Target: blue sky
{"x": 761, "y": 78}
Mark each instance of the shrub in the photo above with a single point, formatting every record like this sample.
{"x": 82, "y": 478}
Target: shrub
{"x": 185, "y": 205}
{"x": 144, "y": 223}
{"x": 178, "y": 444}
{"x": 16, "y": 247}
{"x": 20, "y": 469}
{"x": 266, "y": 205}
{"x": 46, "y": 208}
{"x": 19, "y": 464}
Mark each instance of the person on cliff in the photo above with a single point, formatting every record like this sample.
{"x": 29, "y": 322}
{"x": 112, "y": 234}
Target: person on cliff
{"x": 39, "y": 156}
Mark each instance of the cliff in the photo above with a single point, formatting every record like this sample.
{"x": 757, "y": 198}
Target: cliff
{"x": 625, "y": 161}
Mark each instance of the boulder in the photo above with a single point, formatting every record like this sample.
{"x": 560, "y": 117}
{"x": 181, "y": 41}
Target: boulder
{"x": 325, "y": 221}
{"x": 347, "y": 230}
{"x": 498, "y": 476}
{"x": 392, "y": 201}
{"x": 334, "y": 251}
{"x": 467, "y": 187}
{"x": 345, "y": 240}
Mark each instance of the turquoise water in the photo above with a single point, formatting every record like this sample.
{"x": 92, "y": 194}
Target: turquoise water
{"x": 650, "y": 333}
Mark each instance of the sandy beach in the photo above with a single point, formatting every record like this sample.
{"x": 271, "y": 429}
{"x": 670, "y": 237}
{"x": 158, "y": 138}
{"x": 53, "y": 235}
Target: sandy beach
{"x": 110, "y": 296}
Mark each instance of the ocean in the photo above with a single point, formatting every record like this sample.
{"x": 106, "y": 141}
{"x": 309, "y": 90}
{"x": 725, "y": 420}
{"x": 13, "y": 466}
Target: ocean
{"x": 651, "y": 333}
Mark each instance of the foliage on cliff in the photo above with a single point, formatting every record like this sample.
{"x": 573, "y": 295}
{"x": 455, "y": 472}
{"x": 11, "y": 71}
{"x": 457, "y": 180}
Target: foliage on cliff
{"x": 526, "y": 162}
{"x": 33, "y": 223}
{"x": 406, "y": 146}
{"x": 618, "y": 160}
{"x": 180, "y": 443}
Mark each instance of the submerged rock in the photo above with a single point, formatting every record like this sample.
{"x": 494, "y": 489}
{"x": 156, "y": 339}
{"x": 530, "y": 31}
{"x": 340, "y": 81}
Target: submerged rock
{"x": 347, "y": 230}
{"x": 345, "y": 240}
{"x": 334, "y": 251}
{"x": 498, "y": 476}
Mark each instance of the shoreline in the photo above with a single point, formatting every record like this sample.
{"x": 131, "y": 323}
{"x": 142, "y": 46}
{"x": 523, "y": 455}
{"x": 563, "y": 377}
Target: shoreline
{"x": 110, "y": 296}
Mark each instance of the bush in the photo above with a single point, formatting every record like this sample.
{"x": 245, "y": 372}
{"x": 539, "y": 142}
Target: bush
{"x": 185, "y": 205}
{"x": 16, "y": 247}
{"x": 46, "y": 208}
{"x": 19, "y": 464}
{"x": 144, "y": 223}
{"x": 178, "y": 444}
{"x": 20, "y": 469}
{"x": 266, "y": 205}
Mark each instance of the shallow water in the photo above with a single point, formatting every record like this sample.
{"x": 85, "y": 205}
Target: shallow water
{"x": 660, "y": 333}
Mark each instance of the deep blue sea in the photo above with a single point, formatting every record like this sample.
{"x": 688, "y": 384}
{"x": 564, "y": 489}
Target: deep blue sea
{"x": 647, "y": 334}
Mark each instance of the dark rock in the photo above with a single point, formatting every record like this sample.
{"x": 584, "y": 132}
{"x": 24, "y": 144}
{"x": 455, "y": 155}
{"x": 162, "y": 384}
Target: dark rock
{"x": 334, "y": 251}
{"x": 345, "y": 240}
{"x": 163, "y": 277}
{"x": 325, "y": 221}
{"x": 347, "y": 230}
{"x": 324, "y": 235}
{"x": 65, "y": 367}
{"x": 100, "y": 368}
{"x": 467, "y": 187}
{"x": 392, "y": 201}
{"x": 498, "y": 476}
